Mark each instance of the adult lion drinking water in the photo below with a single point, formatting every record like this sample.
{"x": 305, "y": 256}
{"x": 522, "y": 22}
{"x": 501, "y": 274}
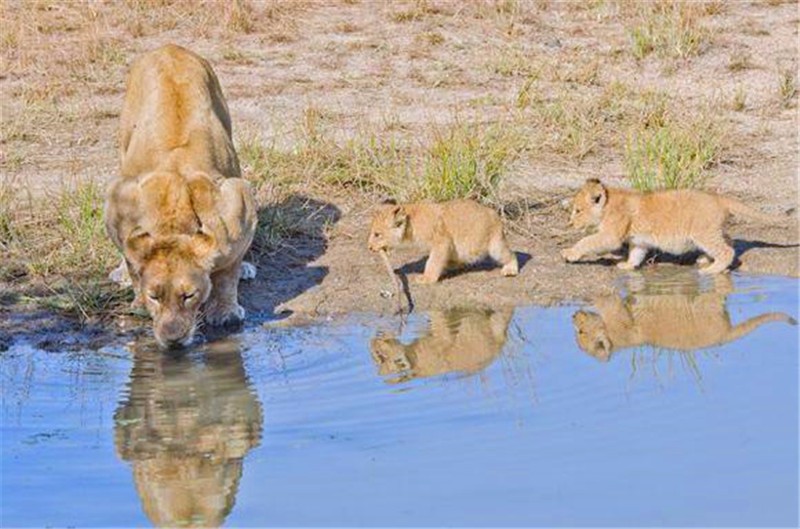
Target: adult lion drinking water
{"x": 180, "y": 212}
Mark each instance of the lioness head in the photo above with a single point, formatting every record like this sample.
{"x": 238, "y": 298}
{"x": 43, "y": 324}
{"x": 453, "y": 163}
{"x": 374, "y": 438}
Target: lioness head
{"x": 174, "y": 281}
{"x": 591, "y": 335}
{"x": 588, "y": 204}
{"x": 388, "y": 227}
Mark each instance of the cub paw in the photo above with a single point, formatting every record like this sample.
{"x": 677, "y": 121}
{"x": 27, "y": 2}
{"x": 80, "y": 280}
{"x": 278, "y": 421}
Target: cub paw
{"x": 225, "y": 316}
{"x": 510, "y": 270}
{"x": 570, "y": 255}
{"x": 424, "y": 280}
{"x": 247, "y": 271}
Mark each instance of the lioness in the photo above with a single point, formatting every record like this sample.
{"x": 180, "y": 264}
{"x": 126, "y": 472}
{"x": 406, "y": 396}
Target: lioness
{"x": 179, "y": 212}
{"x": 673, "y": 221}
{"x": 457, "y": 341}
{"x": 456, "y": 232}
{"x": 676, "y": 321}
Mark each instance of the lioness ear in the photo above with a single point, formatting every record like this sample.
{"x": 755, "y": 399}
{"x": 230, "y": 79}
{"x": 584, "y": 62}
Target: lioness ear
{"x": 137, "y": 246}
{"x": 204, "y": 247}
{"x": 400, "y": 216}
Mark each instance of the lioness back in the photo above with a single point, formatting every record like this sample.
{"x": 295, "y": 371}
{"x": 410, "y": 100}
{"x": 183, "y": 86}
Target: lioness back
{"x": 175, "y": 115}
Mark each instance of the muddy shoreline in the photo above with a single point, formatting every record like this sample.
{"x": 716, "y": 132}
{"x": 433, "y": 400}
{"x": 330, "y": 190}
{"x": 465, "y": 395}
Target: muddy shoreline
{"x": 333, "y": 274}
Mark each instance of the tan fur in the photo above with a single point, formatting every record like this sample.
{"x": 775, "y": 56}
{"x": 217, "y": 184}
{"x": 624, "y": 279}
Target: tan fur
{"x": 455, "y": 233}
{"x": 457, "y": 341}
{"x": 676, "y": 321}
{"x": 675, "y": 222}
{"x": 186, "y": 427}
{"x": 180, "y": 212}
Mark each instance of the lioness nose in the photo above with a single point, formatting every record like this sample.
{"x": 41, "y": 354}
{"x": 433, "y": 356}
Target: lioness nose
{"x": 172, "y": 334}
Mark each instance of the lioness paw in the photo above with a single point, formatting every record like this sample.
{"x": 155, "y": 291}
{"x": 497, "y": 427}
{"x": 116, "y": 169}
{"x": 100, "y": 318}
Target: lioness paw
{"x": 247, "y": 271}
{"x": 225, "y": 316}
{"x": 120, "y": 275}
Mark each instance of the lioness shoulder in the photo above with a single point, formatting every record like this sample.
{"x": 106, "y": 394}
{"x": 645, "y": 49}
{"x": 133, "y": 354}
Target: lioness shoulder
{"x": 455, "y": 233}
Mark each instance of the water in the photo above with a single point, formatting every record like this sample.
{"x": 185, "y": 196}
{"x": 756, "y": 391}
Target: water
{"x": 565, "y": 416}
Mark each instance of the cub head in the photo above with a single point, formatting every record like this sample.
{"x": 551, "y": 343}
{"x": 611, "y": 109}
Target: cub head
{"x": 591, "y": 335}
{"x": 392, "y": 358}
{"x": 174, "y": 280}
{"x": 388, "y": 227}
{"x": 588, "y": 204}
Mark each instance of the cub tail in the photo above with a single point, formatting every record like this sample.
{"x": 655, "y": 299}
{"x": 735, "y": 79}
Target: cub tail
{"x": 740, "y": 210}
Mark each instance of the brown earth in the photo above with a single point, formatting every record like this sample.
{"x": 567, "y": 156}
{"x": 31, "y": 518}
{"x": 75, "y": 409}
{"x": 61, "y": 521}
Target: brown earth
{"x": 409, "y": 66}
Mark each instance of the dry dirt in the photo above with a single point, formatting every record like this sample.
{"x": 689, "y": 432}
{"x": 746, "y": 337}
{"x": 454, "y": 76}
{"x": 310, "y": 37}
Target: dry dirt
{"x": 408, "y": 66}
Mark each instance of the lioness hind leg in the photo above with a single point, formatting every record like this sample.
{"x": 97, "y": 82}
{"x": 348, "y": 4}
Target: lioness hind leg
{"x": 500, "y": 252}
{"x": 636, "y": 255}
{"x": 719, "y": 250}
{"x": 222, "y": 307}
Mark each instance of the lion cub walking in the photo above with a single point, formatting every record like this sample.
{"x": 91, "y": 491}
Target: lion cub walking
{"x": 456, "y": 232}
{"x": 675, "y": 222}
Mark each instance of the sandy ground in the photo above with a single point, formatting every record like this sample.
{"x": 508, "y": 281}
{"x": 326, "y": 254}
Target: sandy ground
{"x": 62, "y": 81}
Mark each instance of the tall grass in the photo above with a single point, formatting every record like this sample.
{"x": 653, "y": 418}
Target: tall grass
{"x": 671, "y": 156}
{"x": 667, "y": 28}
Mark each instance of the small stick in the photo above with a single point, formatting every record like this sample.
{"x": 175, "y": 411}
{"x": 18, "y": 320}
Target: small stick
{"x": 398, "y": 286}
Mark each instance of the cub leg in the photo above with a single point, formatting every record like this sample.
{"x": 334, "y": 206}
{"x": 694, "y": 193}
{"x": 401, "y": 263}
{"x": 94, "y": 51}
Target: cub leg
{"x": 636, "y": 255}
{"x": 500, "y": 252}
{"x": 591, "y": 245}
{"x": 222, "y": 307}
{"x": 436, "y": 263}
{"x": 716, "y": 247}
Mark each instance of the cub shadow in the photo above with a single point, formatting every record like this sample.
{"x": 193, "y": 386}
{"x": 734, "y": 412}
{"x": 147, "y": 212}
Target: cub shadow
{"x": 185, "y": 428}
{"x": 484, "y": 265}
{"x": 290, "y": 235}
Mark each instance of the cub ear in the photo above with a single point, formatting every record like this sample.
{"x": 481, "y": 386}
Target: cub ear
{"x": 389, "y": 202}
{"x": 400, "y": 216}
{"x": 138, "y": 244}
{"x": 597, "y": 191}
{"x": 205, "y": 249}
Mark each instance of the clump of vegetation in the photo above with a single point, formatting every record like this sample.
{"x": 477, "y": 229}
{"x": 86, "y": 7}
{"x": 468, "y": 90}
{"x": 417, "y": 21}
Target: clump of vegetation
{"x": 455, "y": 161}
{"x": 671, "y": 156}
{"x": 668, "y": 29}
{"x": 787, "y": 85}
{"x": 59, "y": 243}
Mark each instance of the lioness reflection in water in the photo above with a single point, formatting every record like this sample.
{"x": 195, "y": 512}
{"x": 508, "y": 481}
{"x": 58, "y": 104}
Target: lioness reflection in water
{"x": 684, "y": 320}
{"x": 458, "y": 340}
{"x": 185, "y": 428}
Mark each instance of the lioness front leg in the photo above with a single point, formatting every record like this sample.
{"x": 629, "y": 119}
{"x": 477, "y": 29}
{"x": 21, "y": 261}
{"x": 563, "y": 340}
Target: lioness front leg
{"x": 222, "y": 307}
{"x": 591, "y": 245}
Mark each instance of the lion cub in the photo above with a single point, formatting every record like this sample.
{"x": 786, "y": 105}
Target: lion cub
{"x": 456, "y": 232}
{"x": 675, "y": 222}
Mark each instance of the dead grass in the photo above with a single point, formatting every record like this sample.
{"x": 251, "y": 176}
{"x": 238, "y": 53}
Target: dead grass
{"x": 668, "y": 29}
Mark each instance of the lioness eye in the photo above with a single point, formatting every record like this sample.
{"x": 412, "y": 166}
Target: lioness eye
{"x": 376, "y": 235}
{"x": 153, "y": 295}
{"x": 189, "y": 295}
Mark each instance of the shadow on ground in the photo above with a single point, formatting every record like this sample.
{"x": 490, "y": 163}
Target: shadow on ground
{"x": 290, "y": 236}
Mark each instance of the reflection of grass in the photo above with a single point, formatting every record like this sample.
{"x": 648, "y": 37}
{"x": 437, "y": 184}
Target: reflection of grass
{"x": 651, "y": 356}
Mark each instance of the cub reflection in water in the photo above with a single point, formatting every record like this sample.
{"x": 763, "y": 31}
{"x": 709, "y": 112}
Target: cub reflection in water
{"x": 185, "y": 428}
{"x": 458, "y": 340}
{"x": 682, "y": 320}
